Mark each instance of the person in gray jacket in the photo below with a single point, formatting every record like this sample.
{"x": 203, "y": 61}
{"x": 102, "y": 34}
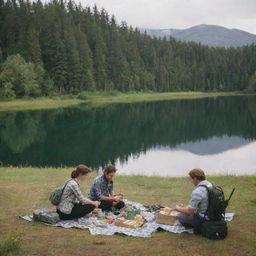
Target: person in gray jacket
{"x": 195, "y": 212}
{"x": 73, "y": 204}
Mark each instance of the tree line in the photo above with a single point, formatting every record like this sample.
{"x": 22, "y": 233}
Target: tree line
{"x": 65, "y": 48}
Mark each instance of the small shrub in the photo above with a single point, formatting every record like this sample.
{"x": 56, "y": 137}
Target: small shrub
{"x": 11, "y": 245}
{"x": 68, "y": 96}
{"x": 6, "y": 91}
{"x": 113, "y": 93}
{"x": 83, "y": 96}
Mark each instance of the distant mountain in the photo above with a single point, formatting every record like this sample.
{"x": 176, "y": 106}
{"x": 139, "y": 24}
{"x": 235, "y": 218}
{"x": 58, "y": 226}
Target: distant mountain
{"x": 214, "y": 145}
{"x": 211, "y": 35}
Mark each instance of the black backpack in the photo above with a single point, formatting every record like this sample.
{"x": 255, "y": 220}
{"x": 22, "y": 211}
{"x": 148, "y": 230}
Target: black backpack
{"x": 215, "y": 228}
{"x": 216, "y": 203}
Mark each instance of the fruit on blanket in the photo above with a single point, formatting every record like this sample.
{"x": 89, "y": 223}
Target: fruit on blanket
{"x": 138, "y": 218}
{"x": 107, "y": 221}
{"x": 132, "y": 213}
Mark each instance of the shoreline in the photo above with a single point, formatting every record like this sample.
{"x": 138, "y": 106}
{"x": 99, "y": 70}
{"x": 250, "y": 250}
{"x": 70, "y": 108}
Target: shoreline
{"x": 96, "y": 173}
{"x": 100, "y": 98}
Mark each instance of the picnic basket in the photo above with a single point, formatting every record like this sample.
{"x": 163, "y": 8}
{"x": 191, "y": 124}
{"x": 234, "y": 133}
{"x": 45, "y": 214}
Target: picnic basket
{"x": 165, "y": 219}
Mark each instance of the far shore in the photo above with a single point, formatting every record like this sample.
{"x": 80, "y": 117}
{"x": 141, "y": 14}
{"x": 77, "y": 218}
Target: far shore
{"x": 99, "y": 98}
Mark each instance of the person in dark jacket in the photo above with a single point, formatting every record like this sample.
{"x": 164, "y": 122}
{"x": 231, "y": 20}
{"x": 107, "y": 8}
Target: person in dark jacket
{"x": 102, "y": 190}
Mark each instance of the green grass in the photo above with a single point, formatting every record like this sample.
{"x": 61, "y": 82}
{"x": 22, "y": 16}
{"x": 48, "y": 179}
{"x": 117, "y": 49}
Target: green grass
{"x": 24, "y": 189}
{"x": 11, "y": 245}
{"x": 100, "y": 97}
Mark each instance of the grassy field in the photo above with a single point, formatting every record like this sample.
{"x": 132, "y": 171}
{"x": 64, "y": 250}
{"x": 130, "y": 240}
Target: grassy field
{"x": 104, "y": 98}
{"x": 24, "y": 189}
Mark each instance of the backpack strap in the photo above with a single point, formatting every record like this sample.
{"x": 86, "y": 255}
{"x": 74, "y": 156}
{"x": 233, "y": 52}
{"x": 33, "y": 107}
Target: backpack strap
{"x": 64, "y": 187}
{"x": 204, "y": 187}
{"x": 207, "y": 188}
{"x": 76, "y": 182}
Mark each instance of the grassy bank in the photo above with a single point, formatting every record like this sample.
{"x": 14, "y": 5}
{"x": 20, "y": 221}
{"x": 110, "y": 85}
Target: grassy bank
{"x": 24, "y": 189}
{"x": 104, "y": 98}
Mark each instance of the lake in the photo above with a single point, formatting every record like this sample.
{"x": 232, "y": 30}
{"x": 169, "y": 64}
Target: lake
{"x": 166, "y": 138}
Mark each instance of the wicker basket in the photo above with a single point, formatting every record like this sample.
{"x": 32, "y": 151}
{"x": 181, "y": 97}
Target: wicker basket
{"x": 128, "y": 223}
{"x": 165, "y": 219}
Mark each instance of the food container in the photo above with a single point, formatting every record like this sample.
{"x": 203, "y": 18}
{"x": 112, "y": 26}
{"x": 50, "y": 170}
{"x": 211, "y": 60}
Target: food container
{"x": 167, "y": 219}
{"x": 166, "y": 211}
{"x": 122, "y": 222}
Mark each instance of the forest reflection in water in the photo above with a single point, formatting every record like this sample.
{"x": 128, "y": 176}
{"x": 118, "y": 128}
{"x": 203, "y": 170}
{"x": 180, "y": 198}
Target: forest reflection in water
{"x": 135, "y": 136}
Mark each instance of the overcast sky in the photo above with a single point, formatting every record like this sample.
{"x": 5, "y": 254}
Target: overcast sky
{"x": 239, "y": 14}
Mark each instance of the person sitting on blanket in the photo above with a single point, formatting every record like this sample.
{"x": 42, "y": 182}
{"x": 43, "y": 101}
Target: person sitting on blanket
{"x": 73, "y": 204}
{"x": 102, "y": 190}
{"x": 192, "y": 214}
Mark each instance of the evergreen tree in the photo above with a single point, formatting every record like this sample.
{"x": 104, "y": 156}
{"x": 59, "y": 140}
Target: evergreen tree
{"x": 252, "y": 83}
{"x": 76, "y": 49}
{"x": 100, "y": 64}
{"x": 86, "y": 64}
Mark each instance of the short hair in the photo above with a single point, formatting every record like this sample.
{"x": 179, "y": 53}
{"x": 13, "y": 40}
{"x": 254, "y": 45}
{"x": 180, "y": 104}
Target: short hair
{"x": 197, "y": 174}
{"x": 110, "y": 169}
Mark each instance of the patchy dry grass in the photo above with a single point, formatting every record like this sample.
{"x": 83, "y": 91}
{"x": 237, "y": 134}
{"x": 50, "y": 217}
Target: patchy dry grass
{"x": 24, "y": 189}
{"x": 40, "y": 103}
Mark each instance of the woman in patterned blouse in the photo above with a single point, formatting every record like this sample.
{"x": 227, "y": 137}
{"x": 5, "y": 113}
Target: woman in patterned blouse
{"x": 73, "y": 204}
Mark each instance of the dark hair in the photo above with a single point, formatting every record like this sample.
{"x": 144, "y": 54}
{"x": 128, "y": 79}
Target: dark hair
{"x": 109, "y": 169}
{"x": 80, "y": 169}
{"x": 197, "y": 174}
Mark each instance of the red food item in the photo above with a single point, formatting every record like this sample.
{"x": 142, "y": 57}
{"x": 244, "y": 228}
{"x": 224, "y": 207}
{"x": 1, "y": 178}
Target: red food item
{"x": 107, "y": 221}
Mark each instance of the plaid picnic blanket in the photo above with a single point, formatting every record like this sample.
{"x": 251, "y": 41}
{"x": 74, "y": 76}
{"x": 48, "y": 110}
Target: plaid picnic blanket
{"x": 111, "y": 229}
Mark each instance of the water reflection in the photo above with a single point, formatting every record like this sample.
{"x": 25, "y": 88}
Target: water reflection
{"x": 164, "y": 162}
{"x": 116, "y": 133}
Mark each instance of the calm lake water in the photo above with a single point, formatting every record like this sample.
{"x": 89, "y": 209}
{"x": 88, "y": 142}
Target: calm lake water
{"x": 165, "y": 138}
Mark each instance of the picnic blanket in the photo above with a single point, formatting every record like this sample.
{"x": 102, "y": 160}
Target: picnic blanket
{"x": 111, "y": 229}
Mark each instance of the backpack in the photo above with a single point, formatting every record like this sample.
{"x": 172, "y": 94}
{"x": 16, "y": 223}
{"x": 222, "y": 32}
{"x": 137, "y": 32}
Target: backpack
{"x": 216, "y": 228}
{"x": 56, "y": 194}
{"x": 46, "y": 215}
{"x": 216, "y": 203}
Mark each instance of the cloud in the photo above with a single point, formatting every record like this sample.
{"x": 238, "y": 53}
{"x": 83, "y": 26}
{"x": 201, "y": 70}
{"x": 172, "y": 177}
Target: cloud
{"x": 239, "y": 14}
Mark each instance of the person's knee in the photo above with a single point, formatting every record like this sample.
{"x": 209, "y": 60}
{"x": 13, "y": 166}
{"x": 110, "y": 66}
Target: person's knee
{"x": 186, "y": 220}
{"x": 120, "y": 205}
{"x": 182, "y": 217}
{"x": 87, "y": 208}
{"x": 63, "y": 216}
{"x": 106, "y": 205}
{"x": 91, "y": 207}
